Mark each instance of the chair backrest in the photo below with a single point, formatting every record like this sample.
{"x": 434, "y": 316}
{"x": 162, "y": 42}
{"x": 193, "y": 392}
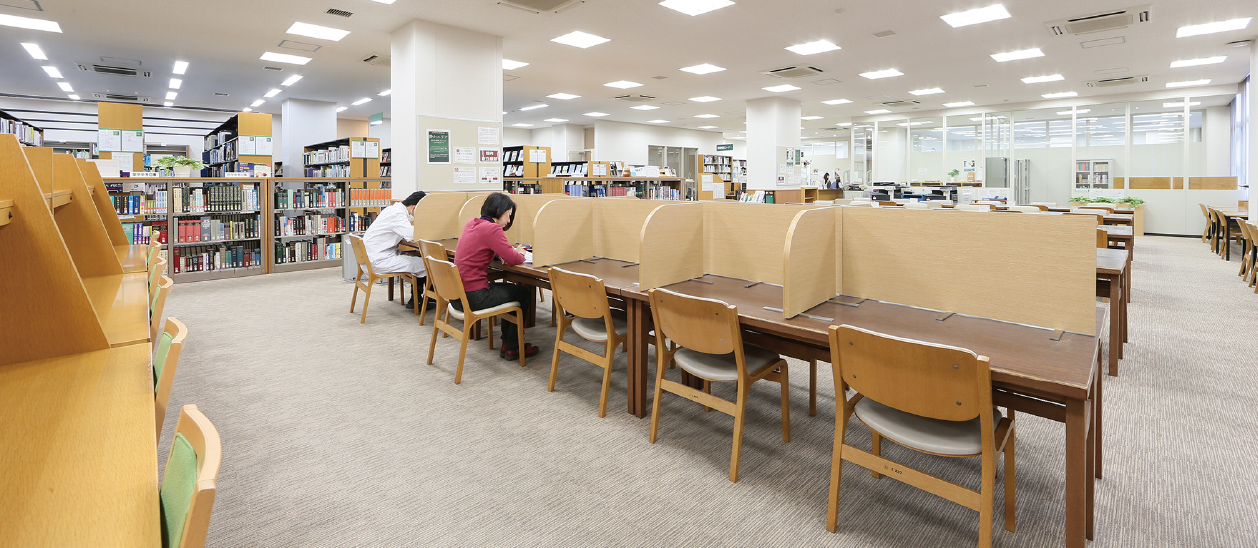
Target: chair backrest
{"x": 157, "y": 305}
{"x": 156, "y": 271}
{"x": 446, "y": 281}
{"x": 434, "y": 249}
{"x": 884, "y": 203}
{"x": 703, "y": 325}
{"x": 165, "y": 360}
{"x": 989, "y": 202}
{"x": 860, "y": 202}
{"x": 1026, "y": 209}
{"x": 155, "y": 247}
{"x": 974, "y": 207}
{"x": 1095, "y": 210}
{"x": 925, "y": 379}
{"x": 360, "y": 256}
{"x": 1100, "y": 217}
{"x": 188, "y": 482}
{"x": 1045, "y": 204}
{"x": 1102, "y": 239}
{"x": 581, "y": 295}
{"x": 1205, "y": 211}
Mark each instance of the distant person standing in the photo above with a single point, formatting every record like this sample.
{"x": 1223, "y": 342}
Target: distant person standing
{"x": 825, "y": 180}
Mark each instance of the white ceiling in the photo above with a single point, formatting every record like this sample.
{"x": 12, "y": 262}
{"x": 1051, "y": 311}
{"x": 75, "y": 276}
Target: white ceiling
{"x": 223, "y": 40}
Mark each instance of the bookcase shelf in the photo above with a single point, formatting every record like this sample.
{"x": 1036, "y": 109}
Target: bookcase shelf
{"x": 26, "y": 133}
{"x": 309, "y": 235}
{"x": 222, "y": 146}
{"x": 335, "y": 158}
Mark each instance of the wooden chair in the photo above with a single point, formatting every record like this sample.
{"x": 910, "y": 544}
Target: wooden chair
{"x": 1205, "y": 212}
{"x": 365, "y": 269}
{"x": 1223, "y": 233}
{"x": 188, "y": 482}
{"x": 449, "y": 288}
{"x": 585, "y": 297}
{"x": 426, "y": 249}
{"x": 1247, "y": 249}
{"x": 1099, "y": 207}
{"x": 155, "y": 249}
{"x": 165, "y": 359}
{"x": 884, "y": 203}
{"x": 1100, "y": 217}
{"x": 927, "y": 397}
{"x": 157, "y": 269}
{"x": 158, "y": 304}
{"x": 974, "y": 207}
{"x": 710, "y": 347}
{"x": 1027, "y": 209}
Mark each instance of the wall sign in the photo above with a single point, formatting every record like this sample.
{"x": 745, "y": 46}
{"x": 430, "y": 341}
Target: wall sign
{"x": 438, "y": 146}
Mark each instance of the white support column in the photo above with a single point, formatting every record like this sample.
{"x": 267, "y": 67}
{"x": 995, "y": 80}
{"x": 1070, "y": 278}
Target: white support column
{"x": 772, "y": 122}
{"x": 565, "y": 138}
{"x": 1253, "y": 130}
{"x": 304, "y": 123}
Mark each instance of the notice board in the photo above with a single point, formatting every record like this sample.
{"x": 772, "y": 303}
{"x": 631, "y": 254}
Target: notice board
{"x": 440, "y": 168}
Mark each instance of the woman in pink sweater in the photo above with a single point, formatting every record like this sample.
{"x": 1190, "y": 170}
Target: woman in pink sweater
{"x": 482, "y": 240}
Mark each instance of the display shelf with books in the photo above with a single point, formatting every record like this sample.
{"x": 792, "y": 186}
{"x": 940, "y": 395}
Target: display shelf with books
{"x": 351, "y": 157}
{"x": 242, "y": 144}
{"x": 1093, "y": 174}
{"x": 27, "y": 134}
{"x": 366, "y": 198}
{"x": 525, "y": 162}
{"x": 215, "y": 228}
{"x": 142, "y": 206}
{"x": 308, "y": 218}
{"x": 645, "y": 187}
{"x": 386, "y": 163}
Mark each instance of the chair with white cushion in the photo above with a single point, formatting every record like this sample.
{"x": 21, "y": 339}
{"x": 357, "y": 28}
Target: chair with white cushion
{"x": 593, "y": 319}
{"x": 1026, "y": 209}
{"x": 974, "y": 207}
{"x": 449, "y": 287}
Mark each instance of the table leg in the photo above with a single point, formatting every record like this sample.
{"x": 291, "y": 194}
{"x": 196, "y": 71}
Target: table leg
{"x": 1227, "y": 238}
{"x": 1130, "y": 245}
{"x": 1096, "y": 417}
{"x": 1115, "y": 325}
{"x": 390, "y": 289}
{"x": 636, "y": 348}
{"x": 1077, "y": 472}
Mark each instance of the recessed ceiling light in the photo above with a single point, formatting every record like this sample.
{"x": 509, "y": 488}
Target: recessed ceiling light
{"x": 959, "y": 104}
{"x": 28, "y": 23}
{"x": 385, "y": 93}
{"x": 705, "y": 68}
{"x": 695, "y": 7}
{"x": 555, "y": 120}
{"x": 887, "y": 73}
{"x": 836, "y": 102}
{"x": 878, "y": 111}
{"x": 1211, "y": 28}
{"x": 65, "y": 86}
{"x": 175, "y": 83}
{"x": 644, "y": 107}
{"x": 73, "y": 97}
{"x": 707, "y": 127}
{"x": 580, "y": 39}
{"x": 180, "y": 67}
{"x": 1198, "y": 62}
{"x": 38, "y": 54}
{"x": 929, "y": 91}
{"x": 975, "y": 16}
{"x": 272, "y": 93}
{"x": 780, "y": 89}
{"x": 291, "y": 80}
{"x": 564, "y": 96}
{"x": 342, "y": 109}
{"x": 811, "y": 118}
{"x": 844, "y": 124}
{"x": 284, "y": 58}
{"x": 1080, "y": 111}
{"x": 361, "y": 101}
{"x": 257, "y": 103}
{"x": 534, "y": 107}
{"x": 1061, "y": 95}
{"x": 384, "y": 1}
{"x": 166, "y": 104}
{"x": 508, "y": 64}
{"x": 1017, "y": 55}
{"x": 597, "y": 114}
{"x": 1042, "y": 79}
{"x": 705, "y": 99}
{"x": 521, "y": 125}
{"x": 248, "y": 109}
{"x": 622, "y": 84}
{"x": 819, "y": 46}
{"x": 1187, "y": 83}
{"x": 317, "y": 31}
{"x": 657, "y": 121}
{"x": 53, "y": 72}
{"x": 707, "y": 116}
{"x": 1180, "y": 104}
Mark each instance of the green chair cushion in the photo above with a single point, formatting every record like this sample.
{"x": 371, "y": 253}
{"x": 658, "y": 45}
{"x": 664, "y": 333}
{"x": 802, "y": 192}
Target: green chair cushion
{"x": 159, "y": 358}
{"x": 153, "y": 303}
{"x": 178, "y": 484}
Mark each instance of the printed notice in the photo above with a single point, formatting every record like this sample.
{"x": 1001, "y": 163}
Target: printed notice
{"x": 490, "y": 156}
{"x": 537, "y": 156}
{"x": 487, "y": 135}
{"x": 491, "y": 176}
{"x": 600, "y": 170}
{"x": 248, "y": 145}
{"x": 464, "y": 175}
{"x": 709, "y": 182}
{"x": 465, "y": 155}
{"x": 109, "y": 140}
{"x": 358, "y": 149}
{"x": 264, "y": 146}
{"x": 438, "y": 146}
{"x": 373, "y": 149}
{"x": 132, "y": 140}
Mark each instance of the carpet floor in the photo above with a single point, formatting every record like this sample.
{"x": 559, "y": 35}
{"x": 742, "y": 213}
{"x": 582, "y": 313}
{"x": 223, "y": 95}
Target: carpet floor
{"x": 338, "y": 434}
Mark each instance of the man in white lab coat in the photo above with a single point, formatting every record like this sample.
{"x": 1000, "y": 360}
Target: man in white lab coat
{"x": 394, "y": 224}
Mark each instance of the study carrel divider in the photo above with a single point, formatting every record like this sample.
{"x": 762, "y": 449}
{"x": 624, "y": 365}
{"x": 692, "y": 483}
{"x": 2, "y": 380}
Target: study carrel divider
{"x": 79, "y": 222}
{"x": 584, "y": 228}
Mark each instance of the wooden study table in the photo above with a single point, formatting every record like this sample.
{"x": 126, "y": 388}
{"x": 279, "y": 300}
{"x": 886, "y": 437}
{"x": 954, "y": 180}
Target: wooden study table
{"x": 122, "y": 306}
{"x": 1126, "y": 236}
{"x": 78, "y": 460}
{"x": 134, "y": 258}
{"x": 1111, "y": 274}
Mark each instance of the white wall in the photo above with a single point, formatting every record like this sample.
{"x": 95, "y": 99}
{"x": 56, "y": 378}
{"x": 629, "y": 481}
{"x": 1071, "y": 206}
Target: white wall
{"x": 384, "y": 132}
{"x": 889, "y": 153}
{"x": 626, "y": 142}
{"x": 305, "y": 123}
{"x": 516, "y": 137}
{"x": 1217, "y": 135}
{"x": 277, "y": 140}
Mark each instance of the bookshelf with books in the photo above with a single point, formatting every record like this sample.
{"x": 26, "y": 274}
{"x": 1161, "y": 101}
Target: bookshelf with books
{"x": 525, "y": 162}
{"x": 242, "y": 144}
{"x": 142, "y": 206}
{"x": 308, "y": 218}
{"x": 714, "y": 178}
{"x": 27, "y": 134}
{"x": 366, "y": 199}
{"x": 386, "y": 163}
{"x": 215, "y": 228}
{"x": 352, "y": 157}
{"x": 645, "y": 187}
{"x": 1093, "y": 174}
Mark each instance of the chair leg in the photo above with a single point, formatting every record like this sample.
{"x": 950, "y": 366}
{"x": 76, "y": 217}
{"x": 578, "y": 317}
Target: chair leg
{"x": 707, "y": 388}
{"x": 432, "y": 345}
{"x": 423, "y": 308}
{"x": 812, "y": 388}
{"x": 740, "y": 414}
{"x": 1011, "y": 520}
{"x": 659, "y": 400}
{"x": 841, "y": 417}
{"x": 519, "y": 326}
{"x": 458, "y": 373}
{"x": 354, "y": 301}
{"x": 987, "y": 500}
{"x": 786, "y": 403}
{"x": 492, "y": 323}
{"x": 609, "y": 353}
{"x": 416, "y": 294}
{"x": 366, "y": 300}
{"x": 554, "y": 362}
{"x": 877, "y": 450}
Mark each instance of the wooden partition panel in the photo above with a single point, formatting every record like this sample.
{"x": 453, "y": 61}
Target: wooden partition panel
{"x": 618, "y": 227}
{"x": 81, "y": 226}
{"x": 813, "y": 260}
{"x": 563, "y": 231}
{"x": 747, "y": 241}
{"x": 104, "y": 207}
{"x": 672, "y": 246}
{"x": 437, "y": 216}
{"x": 40, "y": 159}
{"x": 47, "y": 312}
{"x": 1031, "y": 269}
{"x": 471, "y": 209}
{"x": 1212, "y": 183}
{"x": 527, "y": 206}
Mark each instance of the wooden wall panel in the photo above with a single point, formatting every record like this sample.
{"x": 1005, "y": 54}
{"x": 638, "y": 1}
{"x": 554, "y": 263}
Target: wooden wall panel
{"x": 1032, "y": 269}
{"x": 1150, "y": 183}
{"x": 122, "y": 116}
{"x": 1212, "y": 183}
{"x": 104, "y": 207}
{"x": 672, "y": 246}
{"x": 563, "y": 231}
{"x": 811, "y": 263}
{"x": 746, "y": 241}
{"x": 437, "y": 216}
{"x": 80, "y": 223}
{"x": 618, "y": 227}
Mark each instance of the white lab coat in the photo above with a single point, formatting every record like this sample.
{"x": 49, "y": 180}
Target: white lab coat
{"x": 393, "y": 225}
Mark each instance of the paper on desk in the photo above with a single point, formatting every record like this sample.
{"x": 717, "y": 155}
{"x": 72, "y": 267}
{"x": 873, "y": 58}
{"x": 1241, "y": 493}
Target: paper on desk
{"x": 528, "y": 257}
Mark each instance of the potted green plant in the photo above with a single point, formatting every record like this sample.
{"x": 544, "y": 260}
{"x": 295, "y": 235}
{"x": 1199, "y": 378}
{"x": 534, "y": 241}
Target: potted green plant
{"x": 952, "y": 175}
{"x": 181, "y": 166}
{"x": 1102, "y": 200}
{"x": 1130, "y": 202}
{"x": 1080, "y": 200}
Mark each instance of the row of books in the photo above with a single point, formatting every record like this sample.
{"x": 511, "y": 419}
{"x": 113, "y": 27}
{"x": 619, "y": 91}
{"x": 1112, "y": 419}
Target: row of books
{"x": 575, "y": 169}
{"x": 213, "y": 198}
{"x": 359, "y": 222}
{"x": 326, "y": 156}
{"x": 25, "y": 132}
{"x": 710, "y": 160}
{"x": 512, "y": 156}
{"x": 386, "y": 171}
{"x": 253, "y": 169}
{"x": 209, "y": 258}
{"x": 226, "y": 153}
{"x": 309, "y": 225}
{"x": 513, "y": 171}
{"x": 756, "y": 197}
{"x": 216, "y": 139}
{"x": 318, "y": 249}
{"x": 662, "y": 193}
{"x": 386, "y": 156}
{"x": 320, "y": 196}
{"x": 140, "y": 204}
{"x": 371, "y": 197}
{"x": 329, "y": 171}
{"x": 143, "y": 233}
{"x": 211, "y": 229}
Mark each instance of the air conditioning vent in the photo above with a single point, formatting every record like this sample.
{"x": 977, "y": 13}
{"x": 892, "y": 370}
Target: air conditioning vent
{"x": 539, "y": 6}
{"x": 793, "y": 72}
{"x": 276, "y": 69}
{"x": 1112, "y": 82}
{"x": 121, "y": 97}
{"x": 635, "y": 98}
{"x": 117, "y": 71}
{"x": 900, "y": 104}
{"x": 378, "y": 60}
{"x": 339, "y": 13}
{"x": 221, "y": 94}
{"x": 1101, "y": 22}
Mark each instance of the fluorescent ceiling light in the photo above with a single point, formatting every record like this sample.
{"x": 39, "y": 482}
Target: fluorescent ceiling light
{"x": 247, "y": 109}
{"x": 1016, "y": 55}
{"x": 257, "y": 103}
{"x": 644, "y": 107}
{"x": 657, "y": 121}
{"x": 705, "y": 99}
{"x": 284, "y": 58}
{"x": 340, "y": 109}
{"x": 887, "y": 73}
{"x": 166, "y": 104}
{"x": 707, "y": 127}
{"x": 175, "y": 83}
{"x": 929, "y": 91}
{"x": 959, "y": 104}
{"x": 819, "y": 46}
{"x": 878, "y": 111}
{"x": 28, "y": 23}
{"x": 73, "y": 97}
{"x": 508, "y": 64}
{"x": 1061, "y": 95}
{"x": 1180, "y": 104}
{"x": 1042, "y": 79}
{"x": 317, "y": 31}
{"x": 707, "y": 116}
{"x": 361, "y": 101}
{"x": 170, "y": 95}
{"x": 180, "y": 67}
{"x": 780, "y": 89}
{"x": 291, "y": 80}
{"x": 580, "y": 39}
{"x": 1209, "y": 28}
{"x": 385, "y": 93}
{"x": 1198, "y": 62}
{"x": 65, "y": 86}
{"x": 811, "y": 118}
{"x": 695, "y": 7}
{"x": 53, "y": 72}
{"x": 564, "y": 96}
{"x": 705, "y": 68}
{"x": 376, "y": 123}
{"x": 622, "y": 84}
{"x": 534, "y": 107}
{"x": 555, "y": 120}
{"x": 38, "y": 54}
{"x": 975, "y": 16}
{"x": 384, "y": 1}
{"x": 521, "y": 125}
{"x": 272, "y": 93}
{"x": 1187, "y": 83}
{"x": 597, "y": 114}
{"x": 836, "y": 102}
{"x": 844, "y": 124}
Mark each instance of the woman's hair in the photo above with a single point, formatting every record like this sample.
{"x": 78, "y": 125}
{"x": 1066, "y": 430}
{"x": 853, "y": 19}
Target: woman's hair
{"x": 496, "y": 205}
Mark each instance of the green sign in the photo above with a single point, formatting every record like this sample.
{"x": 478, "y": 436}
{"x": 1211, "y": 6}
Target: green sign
{"x": 376, "y": 119}
{"x": 725, "y": 148}
{"x": 438, "y": 146}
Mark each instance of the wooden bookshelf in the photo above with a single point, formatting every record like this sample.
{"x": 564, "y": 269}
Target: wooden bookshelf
{"x": 365, "y": 206}
{"x": 305, "y": 203}
{"x": 126, "y": 117}
{"x": 644, "y": 187}
{"x": 225, "y": 145}
{"x": 26, "y": 133}
{"x": 336, "y": 159}
{"x": 386, "y": 163}
{"x": 517, "y": 164}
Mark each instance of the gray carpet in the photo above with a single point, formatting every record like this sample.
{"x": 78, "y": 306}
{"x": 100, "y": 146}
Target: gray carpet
{"x": 338, "y": 434}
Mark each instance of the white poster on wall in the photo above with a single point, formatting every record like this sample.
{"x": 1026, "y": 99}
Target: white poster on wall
{"x": 264, "y": 146}
{"x": 465, "y": 155}
{"x": 491, "y": 176}
{"x": 487, "y": 135}
{"x": 464, "y": 175}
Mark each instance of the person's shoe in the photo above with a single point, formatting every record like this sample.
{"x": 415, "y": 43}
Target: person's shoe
{"x": 410, "y": 303}
{"x": 513, "y": 355}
